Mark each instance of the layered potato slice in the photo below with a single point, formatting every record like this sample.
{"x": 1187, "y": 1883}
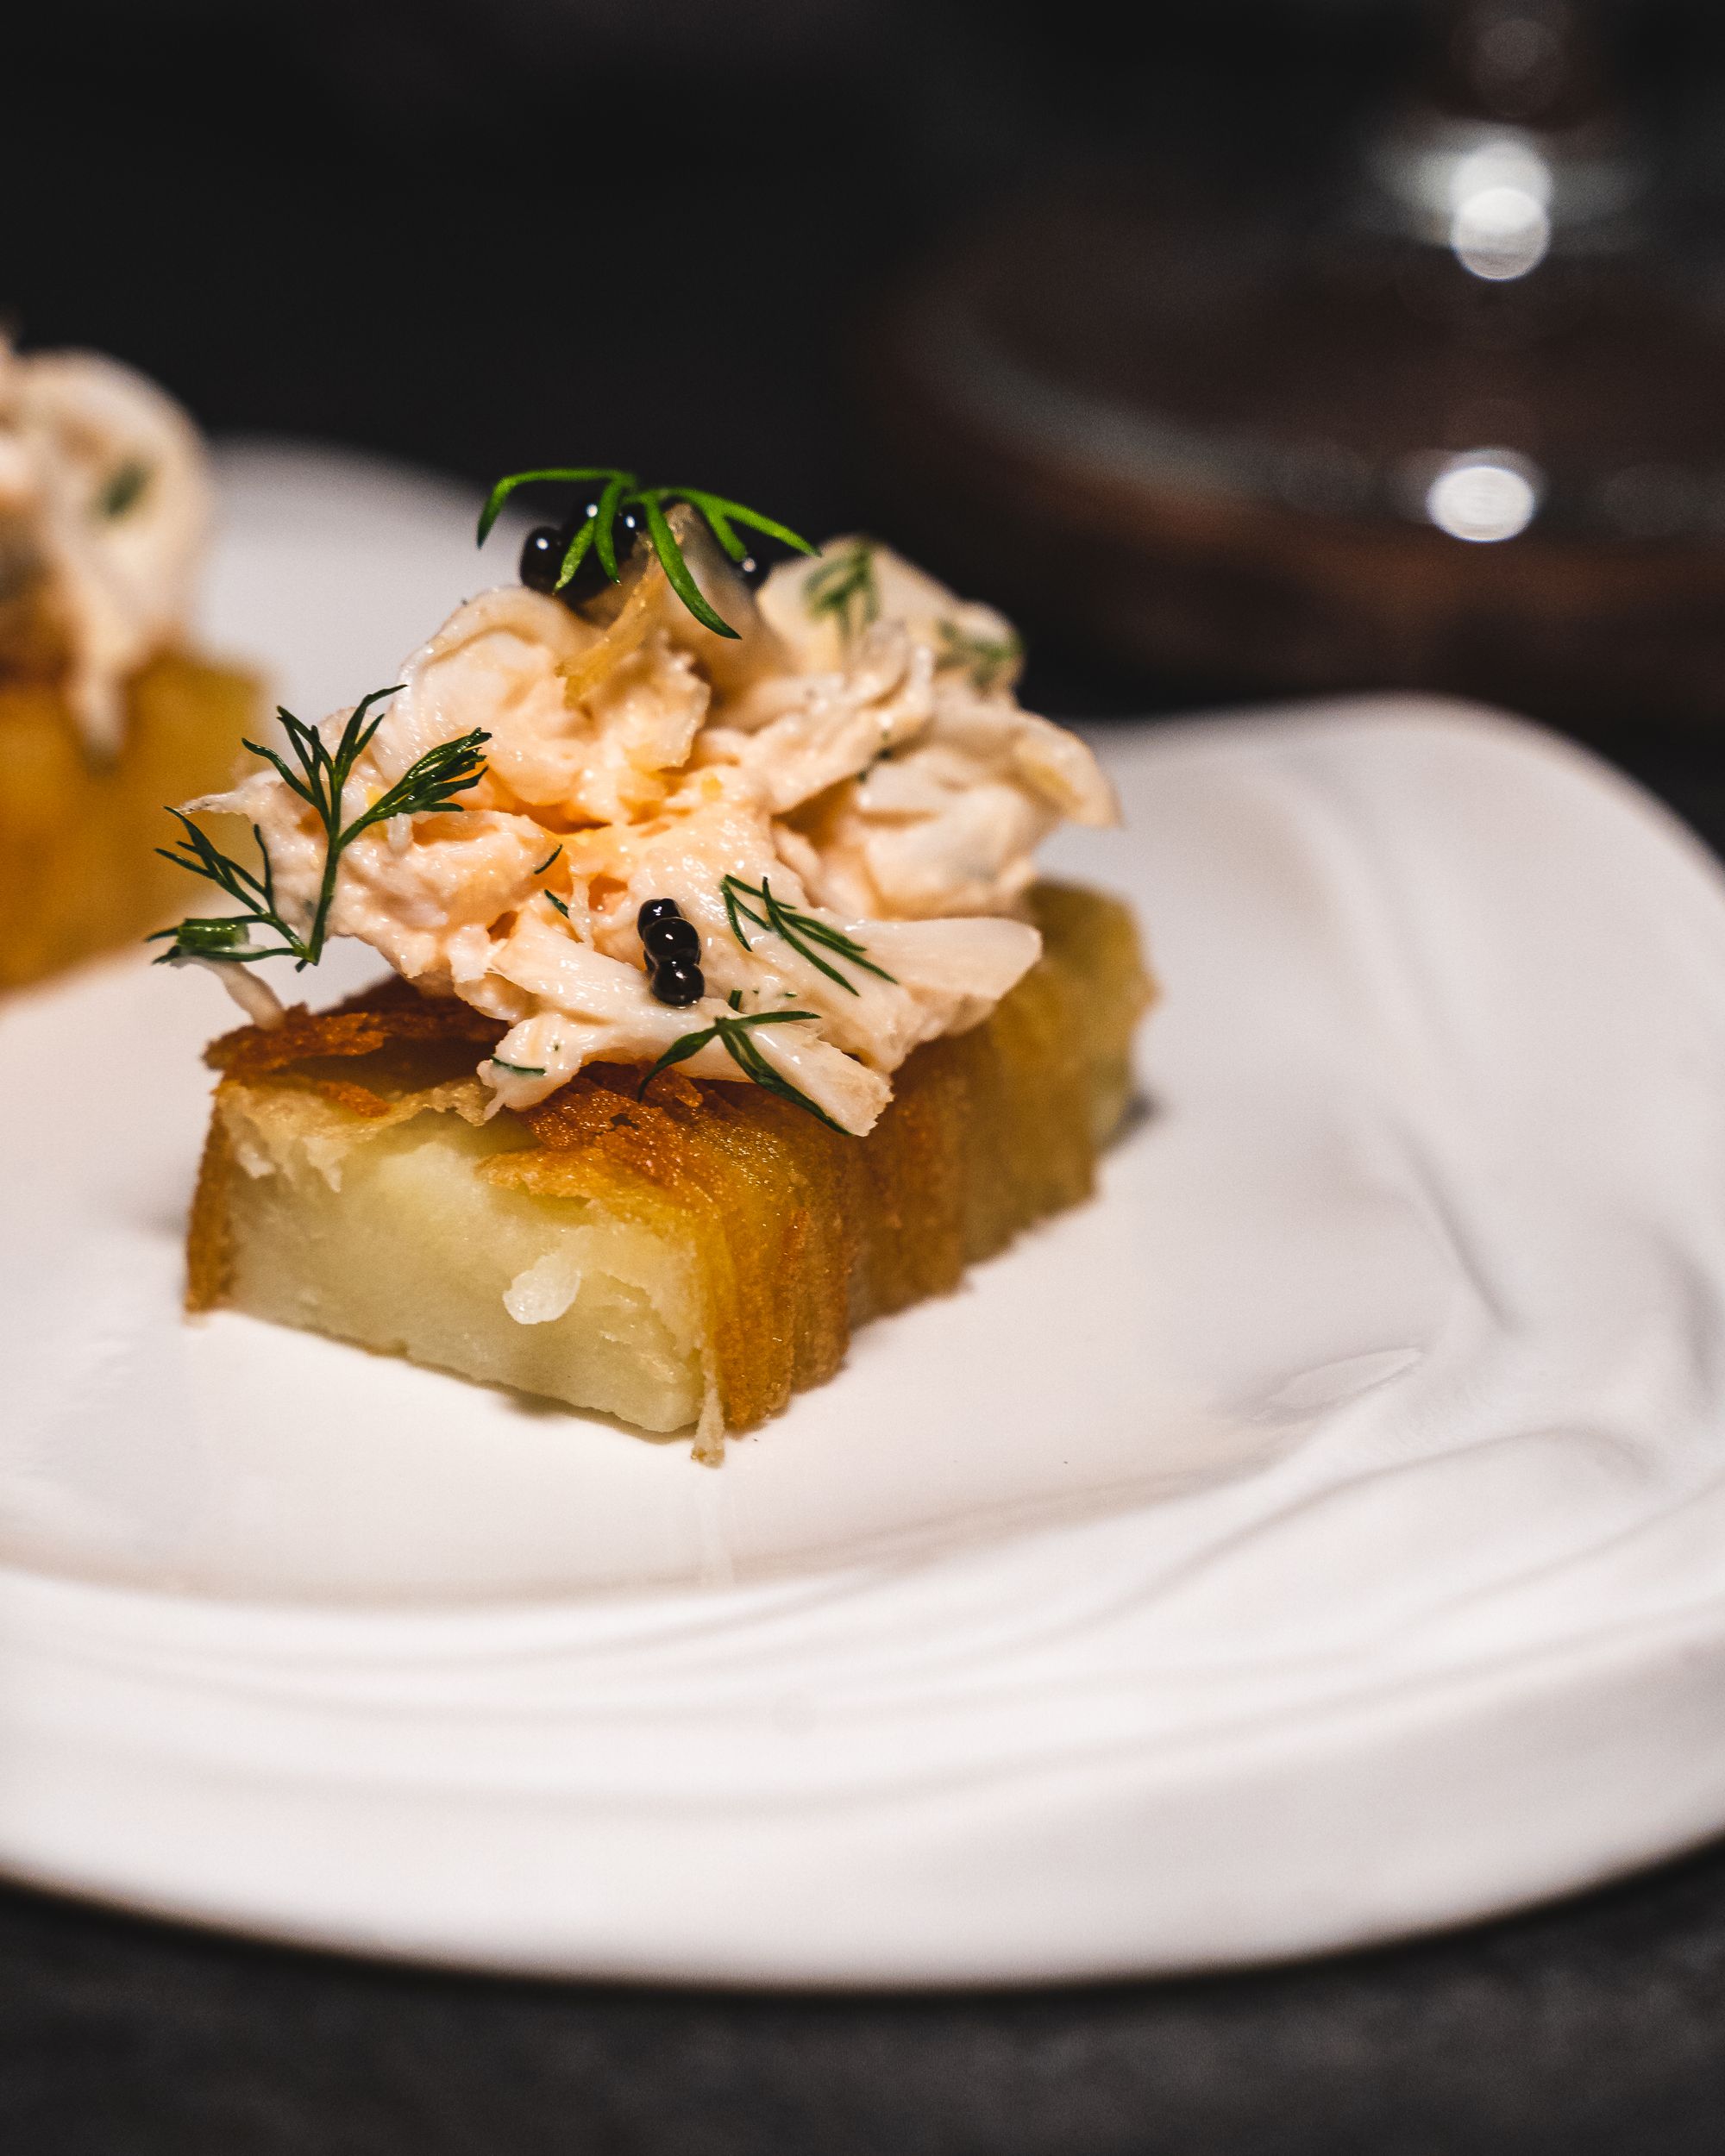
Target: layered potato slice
{"x": 693, "y": 1258}
{"x": 78, "y": 869}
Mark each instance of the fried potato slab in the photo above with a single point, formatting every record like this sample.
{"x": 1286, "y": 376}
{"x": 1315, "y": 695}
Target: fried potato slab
{"x": 693, "y": 1258}
{"x": 79, "y": 870}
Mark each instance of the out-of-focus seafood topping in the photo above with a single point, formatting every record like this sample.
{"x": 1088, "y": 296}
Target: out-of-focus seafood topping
{"x": 843, "y": 802}
{"x": 104, "y": 506}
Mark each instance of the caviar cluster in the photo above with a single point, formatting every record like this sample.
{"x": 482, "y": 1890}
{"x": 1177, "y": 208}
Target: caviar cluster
{"x": 544, "y": 547}
{"x": 672, "y": 948}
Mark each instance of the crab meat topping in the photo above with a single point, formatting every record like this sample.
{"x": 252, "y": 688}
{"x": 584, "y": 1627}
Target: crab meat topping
{"x": 844, "y": 803}
{"x": 104, "y": 507}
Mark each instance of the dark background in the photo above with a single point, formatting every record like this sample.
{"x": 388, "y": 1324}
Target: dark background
{"x": 654, "y": 231}
{"x": 484, "y": 234}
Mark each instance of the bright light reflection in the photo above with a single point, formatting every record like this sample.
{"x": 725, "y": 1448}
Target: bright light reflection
{"x": 1483, "y": 495}
{"x": 1501, "y": 233}
{"x": 1500, "y": 214}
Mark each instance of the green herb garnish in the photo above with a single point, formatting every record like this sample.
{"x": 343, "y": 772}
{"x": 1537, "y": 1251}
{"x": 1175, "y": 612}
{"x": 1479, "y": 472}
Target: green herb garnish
{"x": 846, "y": 588}
{"x": 547, "y": 862}
{"x": 224, "y": 936}
{"x": 521, "y": 1070}
{"x": 986, "y": 659}
{"x": 123, "y": 489}
{"x": 735, "y": 1034}
{"x": 428, "y": 787}
{"x": 623, "y": 491}
{"x": 557, "y": 902}
{"x": 798, "y": 929}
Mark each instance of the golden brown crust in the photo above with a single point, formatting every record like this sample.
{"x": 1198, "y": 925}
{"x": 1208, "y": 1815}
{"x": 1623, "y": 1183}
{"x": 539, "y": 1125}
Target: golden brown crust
{"x": 390, "y": 1015}
{"x": 78, "y": 869}
{"x": 35, "y": 627}
{"x": 209, "y": 1235}
{"x": 796, "y": 1232}
{"x": 402, "y": 1036}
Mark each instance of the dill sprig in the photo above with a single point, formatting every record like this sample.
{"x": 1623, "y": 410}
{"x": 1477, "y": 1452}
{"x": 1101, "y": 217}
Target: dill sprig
{"x": 124, "y": 488}
{"x": 623, "y": 490}
{"x": 734, "y": 1033}
{"x": 318, "y": 775}
{"x": 799, "y": 929}
{"x": 846, "y": 588}
{"x": 987, "y": 660}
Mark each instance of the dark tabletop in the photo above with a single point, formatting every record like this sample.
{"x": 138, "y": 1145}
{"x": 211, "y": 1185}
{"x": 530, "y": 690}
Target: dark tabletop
{"x": 1591, "y": 2029}
{"x": 374, "y": 224}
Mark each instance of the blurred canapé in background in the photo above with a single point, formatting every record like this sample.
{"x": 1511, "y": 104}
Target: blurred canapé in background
{"x": 1241, "y": 347}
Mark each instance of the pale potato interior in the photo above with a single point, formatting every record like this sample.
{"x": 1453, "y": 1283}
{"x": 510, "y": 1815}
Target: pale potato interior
{"x": 396, "y": 1241}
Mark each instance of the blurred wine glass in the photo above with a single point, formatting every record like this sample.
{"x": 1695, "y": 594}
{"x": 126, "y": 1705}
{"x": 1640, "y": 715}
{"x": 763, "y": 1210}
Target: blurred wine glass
{"x": 1454, "y": 424}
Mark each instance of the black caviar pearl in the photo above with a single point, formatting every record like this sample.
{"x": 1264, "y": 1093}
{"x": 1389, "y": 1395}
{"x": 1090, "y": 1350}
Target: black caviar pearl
{"x": 625, "y": 532}
{"x": 673, "y": 937}
{"x": 590, "y": 579}
{"x": 763, "y": 556}
{"x": 541, "y": 556}
{"x": 656, "y": 910}
{"x": 678, "y": 982}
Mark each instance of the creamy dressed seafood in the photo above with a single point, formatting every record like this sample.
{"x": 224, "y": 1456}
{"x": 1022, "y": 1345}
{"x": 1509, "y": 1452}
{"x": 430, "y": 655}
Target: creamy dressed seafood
{"x": 104, "y": 507}
{"x": 843, "y": 801}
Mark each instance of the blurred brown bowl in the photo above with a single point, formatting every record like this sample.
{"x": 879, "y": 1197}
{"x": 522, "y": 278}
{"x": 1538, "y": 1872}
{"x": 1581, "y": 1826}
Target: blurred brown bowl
{"x": 1223, "y": 473}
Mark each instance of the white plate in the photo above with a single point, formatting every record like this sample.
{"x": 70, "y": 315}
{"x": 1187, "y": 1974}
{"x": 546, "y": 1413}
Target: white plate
{"x": 1317, "y": 1537}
